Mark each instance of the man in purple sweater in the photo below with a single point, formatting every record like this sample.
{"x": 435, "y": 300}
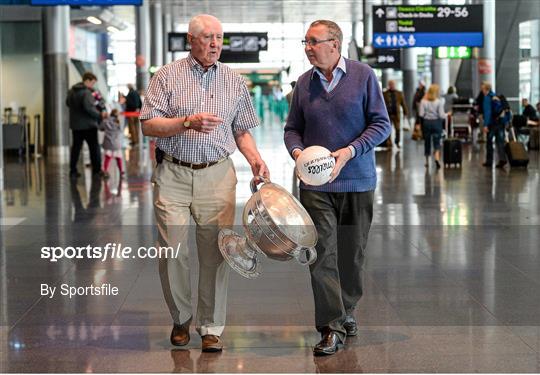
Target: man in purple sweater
{"x": 337, "y": 104}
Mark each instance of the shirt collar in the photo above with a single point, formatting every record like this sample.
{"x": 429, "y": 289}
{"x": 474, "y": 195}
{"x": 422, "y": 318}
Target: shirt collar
{"x": 340, "y": 65}
{"x": 197, "y": 66}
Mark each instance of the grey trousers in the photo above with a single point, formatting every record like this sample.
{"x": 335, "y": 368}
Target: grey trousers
{"x": 343, "y": 221}
{"x": 208, "y": 196}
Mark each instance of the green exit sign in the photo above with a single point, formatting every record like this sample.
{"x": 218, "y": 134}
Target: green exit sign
{"x": 453, "y": 52}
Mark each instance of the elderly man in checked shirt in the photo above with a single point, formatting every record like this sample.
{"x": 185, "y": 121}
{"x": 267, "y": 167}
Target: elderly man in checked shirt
{"x": 200, "y": 111}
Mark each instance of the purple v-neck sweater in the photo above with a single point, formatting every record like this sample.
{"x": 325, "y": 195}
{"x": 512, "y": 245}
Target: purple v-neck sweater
{"x": 353, "y": 113}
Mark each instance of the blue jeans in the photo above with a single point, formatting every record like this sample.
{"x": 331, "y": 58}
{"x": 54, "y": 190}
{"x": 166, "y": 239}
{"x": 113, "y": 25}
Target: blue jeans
{"x": 495, "y": 131}
{"x": 432, "y": 130}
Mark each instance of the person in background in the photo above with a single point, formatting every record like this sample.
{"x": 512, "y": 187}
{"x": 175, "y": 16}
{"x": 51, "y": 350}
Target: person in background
{"x": 112, "y": 143}
{"x": 418, "y": 95}
{"x": 84, "y": 118}
{"x": 395, "y": 101}
{"x": 449, "y": 97}
{"x": 133, "y": 104}
{"x": 290, "y": 94}
{"x": 337, "y": 104}
{"x": 493, "y": 128}
{"x": 431, "y": 110}
{"x": 198, "y": 124}
{"x": 528, "y": 110}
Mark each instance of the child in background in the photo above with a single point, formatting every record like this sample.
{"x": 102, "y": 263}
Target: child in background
{"x": 112, "y": 143}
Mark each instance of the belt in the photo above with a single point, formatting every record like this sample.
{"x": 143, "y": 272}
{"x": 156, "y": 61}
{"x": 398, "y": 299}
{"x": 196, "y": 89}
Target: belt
{"x": 174, "y": 160}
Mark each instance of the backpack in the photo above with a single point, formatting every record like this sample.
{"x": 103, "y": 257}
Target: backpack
{"x": 501, "y": 109}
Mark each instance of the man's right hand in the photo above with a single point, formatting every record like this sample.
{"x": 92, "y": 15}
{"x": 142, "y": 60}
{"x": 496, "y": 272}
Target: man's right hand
{"x": 204, "y": 122}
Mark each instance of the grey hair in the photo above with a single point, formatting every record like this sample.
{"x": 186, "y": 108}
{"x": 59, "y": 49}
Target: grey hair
{"x": 333, "y": 29}
{"x": 197, "y": 23}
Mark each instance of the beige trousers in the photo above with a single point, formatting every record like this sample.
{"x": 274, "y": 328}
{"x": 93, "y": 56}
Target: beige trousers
{"x": 208, "y": 196}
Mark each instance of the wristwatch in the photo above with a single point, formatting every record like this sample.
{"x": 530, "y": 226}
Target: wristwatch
{"x": 186, "y": 123}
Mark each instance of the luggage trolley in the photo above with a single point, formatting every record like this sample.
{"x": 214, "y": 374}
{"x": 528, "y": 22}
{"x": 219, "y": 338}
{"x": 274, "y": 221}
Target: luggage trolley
{"x": 460, "y": 119}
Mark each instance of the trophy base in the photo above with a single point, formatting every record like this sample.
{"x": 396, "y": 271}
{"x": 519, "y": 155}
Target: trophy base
{"x": 238, "y": 254}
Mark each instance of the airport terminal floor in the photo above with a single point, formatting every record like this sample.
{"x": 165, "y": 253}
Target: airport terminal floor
{"x": 451, "y": 275}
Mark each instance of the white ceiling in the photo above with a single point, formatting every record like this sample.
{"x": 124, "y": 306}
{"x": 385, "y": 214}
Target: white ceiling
{"x": 262, "y": 11}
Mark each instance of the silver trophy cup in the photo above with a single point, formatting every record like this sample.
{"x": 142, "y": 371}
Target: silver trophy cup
{"x": 276, "y": 226}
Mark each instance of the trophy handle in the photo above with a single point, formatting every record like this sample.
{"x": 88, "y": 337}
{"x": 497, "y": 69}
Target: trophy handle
{"x": 256, "y": 180}
{"x": 310, "y": 255}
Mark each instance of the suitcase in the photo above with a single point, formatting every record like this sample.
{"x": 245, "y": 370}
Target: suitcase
{"x": 516, "y": 152}
{"x": 452, "y": 148}
{"x": 452, "y": 152}
{"x": 534, "y": 139}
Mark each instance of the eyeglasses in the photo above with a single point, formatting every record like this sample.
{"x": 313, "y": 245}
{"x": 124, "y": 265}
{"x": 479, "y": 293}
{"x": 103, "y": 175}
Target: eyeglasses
{"x": 314, "y": 42}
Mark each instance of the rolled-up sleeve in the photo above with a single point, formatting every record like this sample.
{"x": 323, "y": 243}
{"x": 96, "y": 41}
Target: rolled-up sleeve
{"x": 156, "y": 100}
{"x": 245, "y": 118}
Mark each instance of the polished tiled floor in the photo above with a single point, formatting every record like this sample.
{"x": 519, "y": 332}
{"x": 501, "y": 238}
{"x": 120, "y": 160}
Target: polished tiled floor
{"x": 452, "y": 276}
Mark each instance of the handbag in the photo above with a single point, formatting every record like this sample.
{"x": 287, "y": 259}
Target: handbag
{"x": 417, "y": 132}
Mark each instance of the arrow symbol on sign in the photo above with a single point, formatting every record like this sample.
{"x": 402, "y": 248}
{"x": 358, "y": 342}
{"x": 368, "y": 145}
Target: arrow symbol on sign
{"x": 262, "y": 42}
{"x": 379, "y": 40}
{"x": 379, "y": 12}
{"x": 388, "y": 40}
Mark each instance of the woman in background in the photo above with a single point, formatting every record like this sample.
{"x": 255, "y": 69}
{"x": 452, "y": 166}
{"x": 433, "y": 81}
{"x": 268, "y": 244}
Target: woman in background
{"x": 431, "y": 110}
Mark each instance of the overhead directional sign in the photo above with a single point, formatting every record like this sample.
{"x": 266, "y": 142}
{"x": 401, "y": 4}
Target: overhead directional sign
{"x": 405, "y": 26}
{"x": 236, "y": 42}
{"x": 237, "y": 47}
{"x": 385, "y": 59}
{"x": 86, "y": 2}
{"x": 453, "y": 53}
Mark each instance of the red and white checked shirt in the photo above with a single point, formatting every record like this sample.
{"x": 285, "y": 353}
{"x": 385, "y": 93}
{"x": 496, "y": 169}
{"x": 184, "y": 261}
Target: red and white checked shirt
{"x": 183, "y": 88}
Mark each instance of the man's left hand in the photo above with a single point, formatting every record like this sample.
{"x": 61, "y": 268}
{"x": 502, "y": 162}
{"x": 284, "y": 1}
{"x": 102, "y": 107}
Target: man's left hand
{"x": 259, "y": 168}
{"x": 343, "y": 155}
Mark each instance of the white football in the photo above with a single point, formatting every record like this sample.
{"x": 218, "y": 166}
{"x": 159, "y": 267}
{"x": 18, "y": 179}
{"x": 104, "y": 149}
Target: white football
{"x": 314, "y": 165}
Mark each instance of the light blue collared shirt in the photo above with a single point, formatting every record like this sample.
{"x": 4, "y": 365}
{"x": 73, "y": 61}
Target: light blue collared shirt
{"x": 337, "y": 73}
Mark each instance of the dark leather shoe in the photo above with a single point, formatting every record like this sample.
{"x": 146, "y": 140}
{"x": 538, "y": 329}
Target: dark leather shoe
{"x": 350, "y": 325}
{"x": 211, "y": 343}
{"x": 180, "y": 334}
{"x": 328, "y": 345}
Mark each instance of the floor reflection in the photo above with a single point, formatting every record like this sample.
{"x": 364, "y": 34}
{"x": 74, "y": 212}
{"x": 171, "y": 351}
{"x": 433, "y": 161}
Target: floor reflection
{"x": 451, "y": 274}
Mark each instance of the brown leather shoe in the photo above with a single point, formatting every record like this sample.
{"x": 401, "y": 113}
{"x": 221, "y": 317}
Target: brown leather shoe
{"x": 180, "y": 334}
{"x": 211, "y": 343}
{"x": 329, "y": 344}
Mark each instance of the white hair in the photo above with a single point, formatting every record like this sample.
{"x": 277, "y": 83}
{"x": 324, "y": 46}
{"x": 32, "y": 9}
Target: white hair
{"x": 197, "y": 23}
